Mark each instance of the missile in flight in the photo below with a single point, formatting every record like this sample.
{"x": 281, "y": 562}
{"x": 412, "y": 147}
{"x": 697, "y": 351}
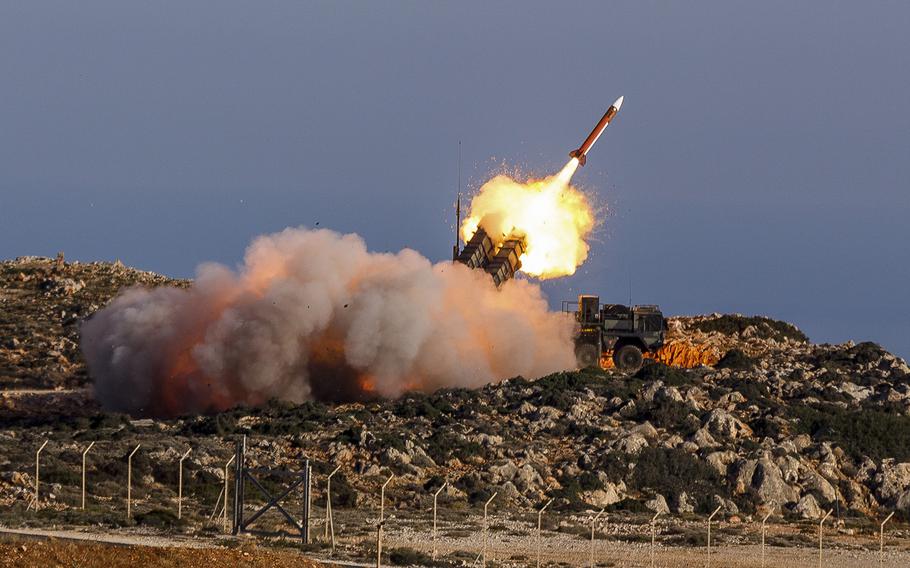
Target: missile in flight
{"x": 582, "y": 151}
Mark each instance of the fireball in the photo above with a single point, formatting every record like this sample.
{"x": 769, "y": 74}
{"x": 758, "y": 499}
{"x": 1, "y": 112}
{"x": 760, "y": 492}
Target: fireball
{"x": 552, "y": 216}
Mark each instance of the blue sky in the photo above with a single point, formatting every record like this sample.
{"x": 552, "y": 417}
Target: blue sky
{"x": 760, "y": 164}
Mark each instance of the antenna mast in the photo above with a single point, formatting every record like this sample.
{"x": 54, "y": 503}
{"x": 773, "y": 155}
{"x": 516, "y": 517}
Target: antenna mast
{"x": 630, "y": 287}
{"x": 455, "y": 249}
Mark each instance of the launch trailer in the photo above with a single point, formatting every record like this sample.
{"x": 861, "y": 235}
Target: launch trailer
{"x": 626, "y": 333}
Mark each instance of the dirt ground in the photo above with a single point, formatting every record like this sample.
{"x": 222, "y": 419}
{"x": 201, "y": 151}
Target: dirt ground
{"x": 48, "y": 554}
{"x": 47, "y": 548}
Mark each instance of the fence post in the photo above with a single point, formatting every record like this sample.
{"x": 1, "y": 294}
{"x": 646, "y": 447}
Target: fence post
{"x": 180, "y": 485}
{"x": 381, "y": 521}
{"x": 881, "y": 541}
{"x": 329, "y": 521}
{"x": 382, "y": 498}
{"x": 593, "y": 526}
{"x": 84, "y": 453}
{"x": 820, "y": 523}
{"x": 239, "y": 465}
{"x": 539, "y": 519}
{"x": 38, "y": 471}
{"x": 307, "y": 487}
{"x": 763, "y": 522}
{"x": 129, "y": 481}
{"x": 379, "y": 543}
{"x": 227, "y": 471}
{"x": 710, "y": 518}
{"x": 435, "y": 496}
{"x": 653, "y": 535}
{"x": 486, "y": 527}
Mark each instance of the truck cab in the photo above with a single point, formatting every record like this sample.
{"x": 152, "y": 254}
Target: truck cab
{"x": 625, "y": 333}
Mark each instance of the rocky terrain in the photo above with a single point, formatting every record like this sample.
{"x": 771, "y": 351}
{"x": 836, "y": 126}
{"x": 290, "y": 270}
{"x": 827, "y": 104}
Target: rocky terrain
{"x": 775, "y": 424}
{"x": 42, "y": 301}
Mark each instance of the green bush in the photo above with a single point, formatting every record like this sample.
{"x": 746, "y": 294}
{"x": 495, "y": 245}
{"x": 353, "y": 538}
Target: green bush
{"x": 575, "y": 485}
{"x": 628, "y": 505}
{"x": 860, "y": 433}
{"x": 670, "y": 414}
{"x": 159, "y": 518}
{"x": 343, "y": 493}
{"x": 671, "y": 471}
{"x": 766, "y": 328}
{"x": 413, "y": 405}
{"x": 657, "y": 371}
{"x": 443, "y": 445}
{"x": 735, "y": 359}
{"x": 411, "y": 557}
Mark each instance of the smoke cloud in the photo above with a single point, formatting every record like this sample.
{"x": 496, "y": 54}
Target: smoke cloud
{"x": 312, "y": 315}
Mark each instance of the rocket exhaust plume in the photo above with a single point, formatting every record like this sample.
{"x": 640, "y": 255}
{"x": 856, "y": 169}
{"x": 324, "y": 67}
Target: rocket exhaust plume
{"x": 314, "y": 315}
{"x": 552, "y": 216}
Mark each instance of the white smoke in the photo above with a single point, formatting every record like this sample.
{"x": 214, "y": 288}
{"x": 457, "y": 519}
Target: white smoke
{"x": 314, "y": 315}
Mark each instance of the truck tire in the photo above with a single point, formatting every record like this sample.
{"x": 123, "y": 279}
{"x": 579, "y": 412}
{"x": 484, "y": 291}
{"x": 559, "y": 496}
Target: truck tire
{"x": 587, "y": 355}
{"x": 628, "y": 358}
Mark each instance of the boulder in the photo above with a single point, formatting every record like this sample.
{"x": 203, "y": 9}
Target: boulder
{"x": 658, "y": 504}
{"x": 683, "y": 504}
{"x": 526, "y": 409}
{"x": 602, "y": 497}
{"x": 821, "y": 486}
{"x": 903, "y": 502}
{"x": 526, "y": 478}
{"x": 721, "y": 423}
{"x": 807, "y": 507}
{"x": 650, "y": 391}
{"x": 633, "y": 444}
{"x": 720, "y": 461}
{"x": 668, "y": 394}
{"x": 703, "y": 439}
{"x": 892, "y": 480}
{"x": 503, "y": 471}
{"x": 769, "y": 485}
{"x": 646, "y": 430}
{"x": 508, "y": 492}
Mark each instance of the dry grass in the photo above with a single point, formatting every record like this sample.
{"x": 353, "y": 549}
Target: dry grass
{"x": 28, "y": 554}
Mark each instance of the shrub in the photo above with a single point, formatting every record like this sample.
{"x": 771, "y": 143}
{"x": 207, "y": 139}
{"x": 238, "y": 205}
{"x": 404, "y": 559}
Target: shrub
{"x": 410, "y": 557}
{"x": 412, "y": 405}
{"x": 573, "y": 486}
{"x": 657, "y": 371}
{"x": 735, "y": 359}
{"x": 343, "y": 493}
{"x": 860, "y": 433}
{"x": 766, "y": 328}
{"x": 672, "y": 471}
{"x": 222, "y": 425}
{"x": 443, "y": 445}
{"x": 160, "y": 518}
{"x": 672, "y": 415}
{"x": 628, "y": 505}
{"x": 840, "y": 361}
{"x": 569, "y": 381}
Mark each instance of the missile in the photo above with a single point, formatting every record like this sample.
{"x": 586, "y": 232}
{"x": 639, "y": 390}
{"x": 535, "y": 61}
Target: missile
{"x": 582, "y": 151}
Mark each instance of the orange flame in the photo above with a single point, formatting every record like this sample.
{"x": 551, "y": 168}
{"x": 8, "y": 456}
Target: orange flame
{"x": 553, "y": 216}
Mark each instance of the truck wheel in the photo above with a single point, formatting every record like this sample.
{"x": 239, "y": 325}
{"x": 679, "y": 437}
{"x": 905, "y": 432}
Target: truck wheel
{"x": 628, "y": 358}
{"x": 587, "y": 355}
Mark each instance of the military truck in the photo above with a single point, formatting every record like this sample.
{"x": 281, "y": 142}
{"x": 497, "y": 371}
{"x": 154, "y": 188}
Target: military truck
{"x": 628, "y": 332}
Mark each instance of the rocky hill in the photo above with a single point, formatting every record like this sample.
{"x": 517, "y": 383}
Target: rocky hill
{"x": 775, "y": 422}
{"x": 42, "y": 301}
{"x": 796, "y": 428}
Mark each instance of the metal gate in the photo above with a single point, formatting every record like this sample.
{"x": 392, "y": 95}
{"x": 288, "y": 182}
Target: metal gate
{"x": 296, "y": 479}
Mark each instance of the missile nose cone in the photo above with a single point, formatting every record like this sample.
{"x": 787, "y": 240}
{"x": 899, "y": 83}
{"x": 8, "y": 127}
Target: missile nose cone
{"x": 618, "y": 104}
